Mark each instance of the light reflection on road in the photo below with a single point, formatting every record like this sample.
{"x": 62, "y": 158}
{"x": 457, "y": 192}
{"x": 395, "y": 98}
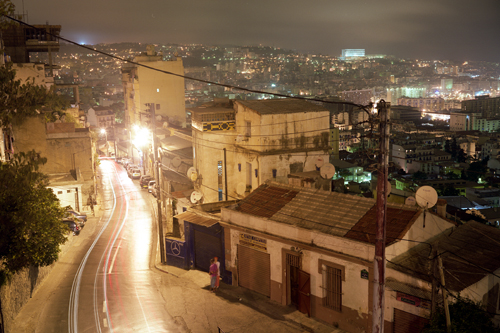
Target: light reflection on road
{"x": 126, "y": 299}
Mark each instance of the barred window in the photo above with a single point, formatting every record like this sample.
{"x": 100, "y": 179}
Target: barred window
{"x": 332, "y": 287}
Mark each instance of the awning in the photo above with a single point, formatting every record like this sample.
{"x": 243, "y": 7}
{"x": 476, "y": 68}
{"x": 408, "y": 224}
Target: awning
{"x": 197, "y": 219}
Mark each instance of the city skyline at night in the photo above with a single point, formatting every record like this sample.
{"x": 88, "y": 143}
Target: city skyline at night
{"x": 423, "y": 30}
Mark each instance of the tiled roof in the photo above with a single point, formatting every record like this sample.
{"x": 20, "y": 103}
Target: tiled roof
{"x": 331, "y": 213}
{"x": 281, "y": 106}
{"x": 399, "y": 220}
{"x": 468, "y": 253}
{"x": 266, "y": 200}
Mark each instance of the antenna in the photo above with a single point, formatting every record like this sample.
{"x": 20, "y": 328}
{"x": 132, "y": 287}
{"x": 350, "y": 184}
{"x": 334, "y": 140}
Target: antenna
{"x": 319, "y": 162}
{"x": 327, "y": 171}
{"x": 410, "y": 201}
{"x": 426, "y": 198}
{"x": 196, "y": 197}
{"x": 176, "y": 161}
{"x": 192, "y": 174}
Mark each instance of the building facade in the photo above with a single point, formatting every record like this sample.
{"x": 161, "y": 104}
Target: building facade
{"x": 143, "y": 85}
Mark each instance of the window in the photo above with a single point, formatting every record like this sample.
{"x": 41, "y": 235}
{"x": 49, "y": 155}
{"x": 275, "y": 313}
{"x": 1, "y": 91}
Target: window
{"x": 248, "y": 129}
{"x": 332, "y": 276}
{"x": 219, "y": 179}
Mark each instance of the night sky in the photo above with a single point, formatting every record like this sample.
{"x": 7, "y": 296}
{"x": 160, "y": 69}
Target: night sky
{"x": 418, "y": 29}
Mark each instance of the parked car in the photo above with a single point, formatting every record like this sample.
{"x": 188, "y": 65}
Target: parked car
{"x": 134, "y": 173}
{"x": 81, "y": 218}
{"x": 130, "y": 166}
{"x": 125, "y": 161}
{"x": 72, "y": 225}
{"x": 151, "y": 185}
{"x": 144, "y": 181}
{"x": 77, "y": 214}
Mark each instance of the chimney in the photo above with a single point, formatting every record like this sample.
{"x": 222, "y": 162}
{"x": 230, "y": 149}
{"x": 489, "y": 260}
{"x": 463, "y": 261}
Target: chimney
{"x": 441, "y": 207}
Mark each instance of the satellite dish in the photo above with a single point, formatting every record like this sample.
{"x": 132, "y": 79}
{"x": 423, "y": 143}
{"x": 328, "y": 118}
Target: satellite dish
{"x": 319, "y": 162}
{"x": 241, "y": 188}
{"x": 389, "y": 188}
{"x": 176, "y": 161}
{"x": 192, "y": 174}
{"x": 196, "y": 197}
{"x": 165, "y": 163}
{"x": 410, "y": 201}
{"x": 239, "y": 138}
{"x": 327, "y": 171}
{"x": 426, "y": 197}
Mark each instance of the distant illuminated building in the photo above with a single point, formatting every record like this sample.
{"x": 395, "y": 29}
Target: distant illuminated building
{"x": 446, "y": 84}
{"x": 488, "y": 107}
{"x": 352, "y": 53}
{"x": 423, "y": 104}
{"x": 363, "y": 97}
{"x": 393, "y": 94}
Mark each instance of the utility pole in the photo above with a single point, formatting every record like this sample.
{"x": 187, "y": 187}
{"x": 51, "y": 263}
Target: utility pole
{"x": 382, "y": 188}
{"x": 157, "y": 169}
{"x": 445, "y": 295}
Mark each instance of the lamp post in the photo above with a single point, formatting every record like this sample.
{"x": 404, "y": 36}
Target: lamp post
{"x": 141, "y": 141}
{"x": 103, "y": 132}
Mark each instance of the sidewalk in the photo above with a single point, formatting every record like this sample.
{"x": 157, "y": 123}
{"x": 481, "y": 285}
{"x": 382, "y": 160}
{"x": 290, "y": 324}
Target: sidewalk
{"x": 237, "y": 296}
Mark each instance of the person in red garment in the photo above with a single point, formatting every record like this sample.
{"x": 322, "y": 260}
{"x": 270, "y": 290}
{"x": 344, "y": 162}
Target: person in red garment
{"x": 216, "y": 260}
{"x": 213, "y": 274}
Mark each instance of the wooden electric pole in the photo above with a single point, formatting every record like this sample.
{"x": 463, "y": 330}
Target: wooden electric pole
{"x": 157, "y": 169}
{"x": 445, "y": 295}
{"x": 382, "y": 188}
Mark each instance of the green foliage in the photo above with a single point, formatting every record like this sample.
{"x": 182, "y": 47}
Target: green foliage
{"x": 476, "y": 170}
{"x": 31, "y": 230}
{"x": 466, "y": 316}
{"x": 6, "y": 8}
{"x": 19, "y": 100}
{"x": 452, "y": 175}
{"x": 419, "y": 175}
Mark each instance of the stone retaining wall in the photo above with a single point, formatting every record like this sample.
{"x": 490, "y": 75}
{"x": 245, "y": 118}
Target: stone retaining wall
{"x": 19, "y": 289}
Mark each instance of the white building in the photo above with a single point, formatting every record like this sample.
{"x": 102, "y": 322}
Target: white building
{"x": 240, "y": 144}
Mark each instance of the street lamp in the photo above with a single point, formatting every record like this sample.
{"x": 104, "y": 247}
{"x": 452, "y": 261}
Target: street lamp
{"x": 103, "y": 132}
{"x": 141, "y": 141}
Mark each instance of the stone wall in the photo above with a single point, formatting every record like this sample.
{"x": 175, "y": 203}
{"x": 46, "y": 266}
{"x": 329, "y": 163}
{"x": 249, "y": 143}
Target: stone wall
{"x": 19, "y": 289}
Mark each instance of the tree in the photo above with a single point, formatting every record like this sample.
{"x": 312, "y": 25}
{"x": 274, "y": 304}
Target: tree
{"x": 19, "y": 100}
{"x": 476, "y": 170}
{"x": 419, "y": 175}
{"x": 30, "y": 217}
{"x": 466, "y": 316}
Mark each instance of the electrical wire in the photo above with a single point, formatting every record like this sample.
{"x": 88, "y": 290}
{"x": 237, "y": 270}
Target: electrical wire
{"x": 183, "y": 76}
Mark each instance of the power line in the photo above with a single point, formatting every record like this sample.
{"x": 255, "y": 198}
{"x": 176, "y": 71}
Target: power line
{"x": 186, "y": 77}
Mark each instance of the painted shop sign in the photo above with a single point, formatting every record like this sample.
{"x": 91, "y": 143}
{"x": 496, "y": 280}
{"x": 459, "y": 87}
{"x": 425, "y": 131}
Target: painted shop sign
{"x": 413, "y": 300}
{"x": 253, "y": 242}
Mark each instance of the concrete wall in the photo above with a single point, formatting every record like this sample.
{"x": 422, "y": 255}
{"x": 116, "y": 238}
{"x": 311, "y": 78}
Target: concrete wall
{"x": 434, "y": 225}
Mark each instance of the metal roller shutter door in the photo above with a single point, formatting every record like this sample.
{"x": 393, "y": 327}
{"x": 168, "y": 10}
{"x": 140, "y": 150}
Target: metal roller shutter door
{"x": 254, "y": 270}
{"x": 205, "y": 248}
{"x": 405, "y": 322}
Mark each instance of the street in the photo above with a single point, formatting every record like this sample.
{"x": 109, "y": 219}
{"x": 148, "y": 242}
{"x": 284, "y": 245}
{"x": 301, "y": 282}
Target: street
{"x": 110, "y": 281}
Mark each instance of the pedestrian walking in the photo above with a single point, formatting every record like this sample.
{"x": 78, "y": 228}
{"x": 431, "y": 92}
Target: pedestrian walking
{"x": 90, "y": 202}
{"x": 217, "y": 279}
{"x": 213, "y": 274}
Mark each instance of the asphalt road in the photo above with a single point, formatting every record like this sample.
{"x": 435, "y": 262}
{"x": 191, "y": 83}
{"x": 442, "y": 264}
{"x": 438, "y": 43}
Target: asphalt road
{"x": 105, "y": 282}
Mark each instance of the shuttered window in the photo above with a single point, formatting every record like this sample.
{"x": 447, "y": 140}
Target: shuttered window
{"x": 332, "y": 287}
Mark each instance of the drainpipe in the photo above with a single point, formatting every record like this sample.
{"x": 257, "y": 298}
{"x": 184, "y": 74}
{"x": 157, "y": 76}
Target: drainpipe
{"x": 225, "y": 173}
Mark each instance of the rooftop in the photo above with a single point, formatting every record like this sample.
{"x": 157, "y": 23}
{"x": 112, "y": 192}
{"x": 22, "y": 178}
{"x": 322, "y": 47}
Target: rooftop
{"x": 281, "y": 106}
{"x": 331, "y": 213}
